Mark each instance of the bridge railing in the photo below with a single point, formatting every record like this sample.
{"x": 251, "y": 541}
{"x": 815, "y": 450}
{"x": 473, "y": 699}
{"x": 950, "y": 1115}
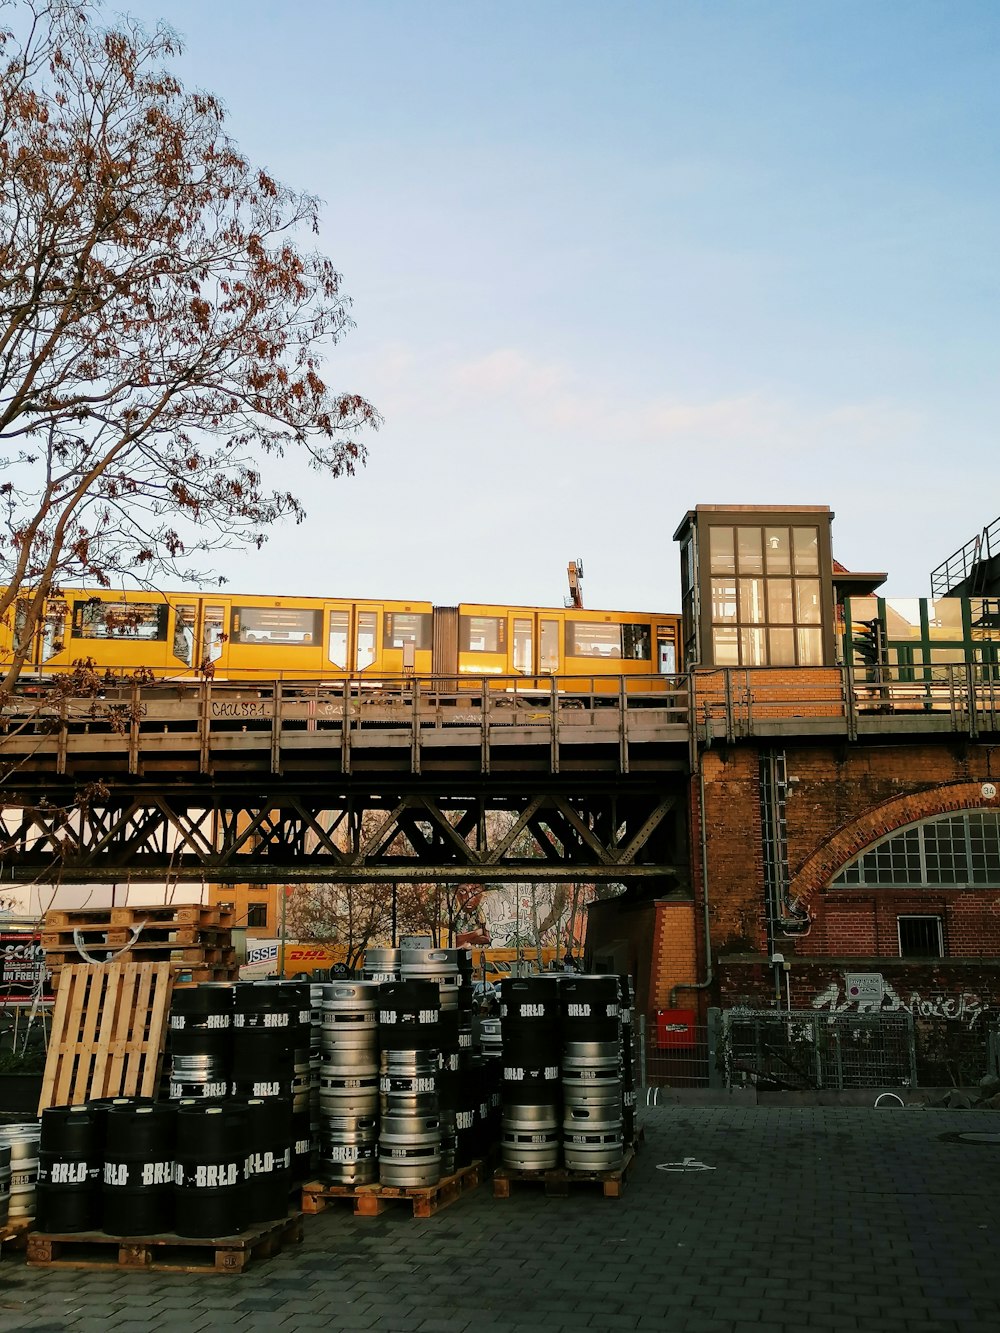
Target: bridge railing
{"x": 424, "y": 713}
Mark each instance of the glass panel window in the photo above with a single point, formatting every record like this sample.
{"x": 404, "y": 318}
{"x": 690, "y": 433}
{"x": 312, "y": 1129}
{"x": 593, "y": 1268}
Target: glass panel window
{"x": 753, "y": 647}
{"x": 749, "y": 550}
{"x": 53, "y": 628}
{"x": 636, "y": 640}
{"x": 337, "y": 638}
{"x": 666, "y": 652}
{"x": 184, "y": 617}
{"x": 402, "y": 627}
{"x": 810, "y": 646}
{"x": 944, "y": 618}
{"x": 593, "y": 639}
{"x": 779, "y": 602}
{"x": 287, "y": 625}
{"x": 723, "y": 600}
{"x": 807, "y": 604}
{"x": 782, "y": 643}
{"x": 721, "y": 551}
{"x": 257, "y": 915}
{"x": 725, "y": 647}
{"x": 483, "y": 634}
{"x": 805, "y": 550}
{"x": 957, "y": 851}
{"x": 920, "y": 937}
{"x": 95, "y": 619}
{"x": 777, "y": 552}
{"x": 524, "y": 646}
{"x": 752, "y": 601}
{"x": 549, "y": 649}
{"x": 364, "y": 654}
{"x": 213, "y": 636}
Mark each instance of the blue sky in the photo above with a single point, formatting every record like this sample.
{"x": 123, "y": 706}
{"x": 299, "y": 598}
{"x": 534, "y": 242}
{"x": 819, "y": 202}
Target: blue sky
{"x": 609, "y": 261}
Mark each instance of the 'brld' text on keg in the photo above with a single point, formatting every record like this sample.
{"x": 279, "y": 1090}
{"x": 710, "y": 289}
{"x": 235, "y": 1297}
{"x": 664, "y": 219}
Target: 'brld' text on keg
{"x": 208, "y": 1176}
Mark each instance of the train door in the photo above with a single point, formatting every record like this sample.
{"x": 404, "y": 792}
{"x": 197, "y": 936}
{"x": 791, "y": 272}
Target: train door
{"x": 213, "y": 633}
{"x": 666, "y": 650}
{"x": 366, "y": 629}
{"x": 534, "y": 640}
{"x": 50, "y": 635}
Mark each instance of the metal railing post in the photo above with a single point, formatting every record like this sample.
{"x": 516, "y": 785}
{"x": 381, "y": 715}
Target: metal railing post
{"x": 716, "y": 1075}
{"x": 643, "y": 1080}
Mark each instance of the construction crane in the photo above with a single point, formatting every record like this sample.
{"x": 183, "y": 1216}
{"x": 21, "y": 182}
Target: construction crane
{"x": 574, "y": 572}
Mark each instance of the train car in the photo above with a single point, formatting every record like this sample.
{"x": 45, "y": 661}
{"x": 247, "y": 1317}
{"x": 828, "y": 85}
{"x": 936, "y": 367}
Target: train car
{"x": 185, "y": 636}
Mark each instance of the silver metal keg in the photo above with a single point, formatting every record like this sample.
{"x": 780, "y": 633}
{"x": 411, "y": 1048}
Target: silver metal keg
{"x": 529, "y": 1137}
{"x": 593, "y": 1138}
{"x": 22, "y": 1139}
{"x": 409, "y": 1150}
{"x": 346, "y": 1091}
{"x": 408, "y": 1083}
{"x": 380, "y": 965}
{"x": 349, "y": 1150}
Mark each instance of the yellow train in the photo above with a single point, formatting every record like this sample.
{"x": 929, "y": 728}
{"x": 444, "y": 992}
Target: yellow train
{"x": 188, "y": 635}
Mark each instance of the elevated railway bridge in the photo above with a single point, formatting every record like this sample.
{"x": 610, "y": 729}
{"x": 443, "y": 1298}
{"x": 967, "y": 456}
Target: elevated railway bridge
{"x": 422, "y": 779}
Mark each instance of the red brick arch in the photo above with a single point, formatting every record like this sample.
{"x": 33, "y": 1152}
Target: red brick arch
{"x": 819, "y": 868}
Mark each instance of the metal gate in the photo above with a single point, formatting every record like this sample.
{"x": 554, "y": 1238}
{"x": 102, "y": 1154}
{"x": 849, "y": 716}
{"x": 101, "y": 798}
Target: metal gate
{"x": 804, "y": 1049}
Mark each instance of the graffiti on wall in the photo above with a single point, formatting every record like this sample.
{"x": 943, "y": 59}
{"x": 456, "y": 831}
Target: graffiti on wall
{"x": 876, "y": 995}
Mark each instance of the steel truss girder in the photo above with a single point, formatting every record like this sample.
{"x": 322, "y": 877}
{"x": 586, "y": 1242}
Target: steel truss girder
{"x": 413, "y": 835}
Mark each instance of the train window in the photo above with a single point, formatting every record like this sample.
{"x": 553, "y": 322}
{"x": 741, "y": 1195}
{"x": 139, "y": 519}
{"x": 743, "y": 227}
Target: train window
{"x": 402, "y": 627}
{"x": 95, "y": 619}
{"x": 588, "y": 639}
{"x": 636, "y": 641}
{"x": 524, "y": 646}
{"x": 336, "y": 643}
{"x": 287, "y": 625}
{"x": 549, "y": 647}
{"x": 212, "y": 634}
{"x": 184, "y": 633}
{"x": 482, "y": 634}
{"x": 53, "y": 628}
{"x": 364, "y": 654}
{"x": 666, "y": 650}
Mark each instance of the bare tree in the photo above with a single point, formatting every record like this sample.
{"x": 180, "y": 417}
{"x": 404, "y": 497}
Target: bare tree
{"x": 161, "y": 331}
{"x": 351, "y": 917}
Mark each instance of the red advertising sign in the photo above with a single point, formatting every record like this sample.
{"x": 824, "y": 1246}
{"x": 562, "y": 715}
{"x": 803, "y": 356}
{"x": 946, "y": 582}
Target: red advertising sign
{"x": 22, "y": 963}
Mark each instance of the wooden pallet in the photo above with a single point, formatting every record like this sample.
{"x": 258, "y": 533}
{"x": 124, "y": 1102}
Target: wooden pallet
{"x": 559, "y": 1180}
{"x": 178, "y": 958}
{"x": 99, "y": 935}
{"x": 164, "y": 1253}
{"x": 14, "y": 1234}
{"x": 108, "y": 1031}
{"x": 169, "y": 914}
{"x": 371, "y": 1200}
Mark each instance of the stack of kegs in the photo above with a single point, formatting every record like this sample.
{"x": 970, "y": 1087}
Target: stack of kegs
{"x": 349, "y": 1077}
{"x": 592, "y": 1074}
{"x": 271, "y": 1035}
{"x": 530, "y": 1032}
{"x": 22, "y": 1143}
{"x": 211, "y": 1181}
{"x": 626, "y": 1014}
{"x": 409, "y": 1147}
{"x": 201, "y": 1040}
{"x": 421, "y": 961}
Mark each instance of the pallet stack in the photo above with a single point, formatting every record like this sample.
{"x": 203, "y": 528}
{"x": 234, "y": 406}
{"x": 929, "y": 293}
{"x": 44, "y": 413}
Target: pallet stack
{"x": 196, "y": 941}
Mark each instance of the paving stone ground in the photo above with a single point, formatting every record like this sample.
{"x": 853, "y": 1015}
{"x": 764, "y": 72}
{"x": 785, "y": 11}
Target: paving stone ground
{"x": 784, "y": 1219}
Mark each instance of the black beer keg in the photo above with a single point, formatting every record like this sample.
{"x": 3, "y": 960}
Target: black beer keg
{"x": 409, "y": 1014}
{"x": 590, "y": 1008}
{"x": 210, "y": 1182}
{"x": 69, "y": 1166}
{"x": 137, "y": 1195}
{"x": 269, "y": 1159}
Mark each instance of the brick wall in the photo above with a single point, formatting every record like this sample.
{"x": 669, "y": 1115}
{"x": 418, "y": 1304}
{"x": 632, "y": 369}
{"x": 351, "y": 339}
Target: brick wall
{"x": 654, "y": 940}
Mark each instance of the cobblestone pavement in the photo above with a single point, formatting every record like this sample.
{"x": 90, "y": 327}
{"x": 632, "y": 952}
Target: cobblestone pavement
{"x": 783, "y": 1219}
